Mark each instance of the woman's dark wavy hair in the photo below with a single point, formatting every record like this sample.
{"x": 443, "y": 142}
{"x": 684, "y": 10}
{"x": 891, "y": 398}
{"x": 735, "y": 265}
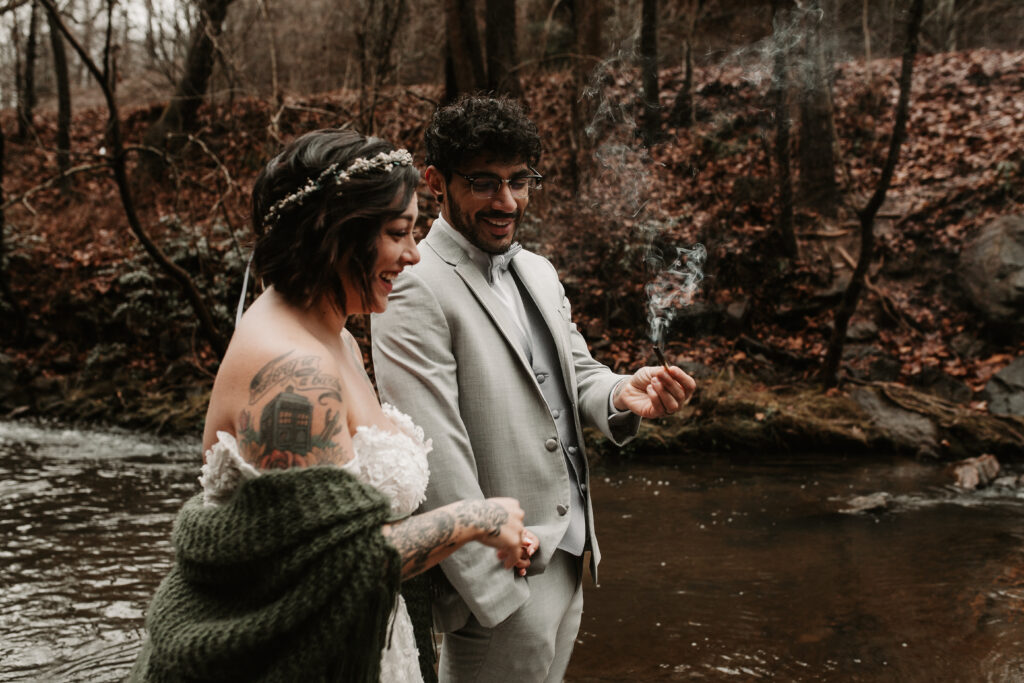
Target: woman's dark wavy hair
{"x": 301, "y": 252}
{"x": 476, "y": 125}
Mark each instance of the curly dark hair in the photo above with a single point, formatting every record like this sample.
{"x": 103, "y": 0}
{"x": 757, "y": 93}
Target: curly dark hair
{"x": 475, "y": 125}
{"x": 302, "y": 250}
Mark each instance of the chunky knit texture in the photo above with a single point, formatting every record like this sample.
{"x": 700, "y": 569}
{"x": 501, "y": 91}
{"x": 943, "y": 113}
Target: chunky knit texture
{"x": 289, "y": 580}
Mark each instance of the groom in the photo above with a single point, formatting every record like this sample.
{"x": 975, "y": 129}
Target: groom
{"x": 478, "y": 346}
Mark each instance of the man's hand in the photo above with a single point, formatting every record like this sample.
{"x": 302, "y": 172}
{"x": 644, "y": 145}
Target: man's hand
{"x": 654, "y": 391}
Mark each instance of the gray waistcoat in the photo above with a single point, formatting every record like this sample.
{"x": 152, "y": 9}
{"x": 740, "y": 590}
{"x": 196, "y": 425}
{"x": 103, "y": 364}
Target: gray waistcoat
{"x": 543, "y": 357}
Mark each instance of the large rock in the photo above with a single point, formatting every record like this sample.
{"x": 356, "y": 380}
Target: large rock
{"x": 907, "y": 429}
{"x": 992, "y": 270}
{"x": 938, "y": 383}
{"x": 974, "y": 472}
{"x": 1005, "y": 391}
{"x": 874, "y": 502}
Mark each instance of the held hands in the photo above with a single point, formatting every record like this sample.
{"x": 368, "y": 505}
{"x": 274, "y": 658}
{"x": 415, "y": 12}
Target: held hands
{"x": 514, "y": 542}
{"x": 526, "y": 550}
{"x": 654, "y": 391}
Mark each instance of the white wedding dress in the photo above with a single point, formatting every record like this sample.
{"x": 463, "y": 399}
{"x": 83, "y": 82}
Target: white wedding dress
{"x": 395, "y": 462}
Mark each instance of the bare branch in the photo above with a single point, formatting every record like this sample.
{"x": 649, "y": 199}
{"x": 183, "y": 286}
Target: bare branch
{"x": 49, "y": 182}
{"x": 11, "y": 5}
{"x": 120, "y": 172}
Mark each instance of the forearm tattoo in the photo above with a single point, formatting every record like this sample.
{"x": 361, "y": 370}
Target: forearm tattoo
{"x": 483, "y": 515}
{"x": 419, "y": 536}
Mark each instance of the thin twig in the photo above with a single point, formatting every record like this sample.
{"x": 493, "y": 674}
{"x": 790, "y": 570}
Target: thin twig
{"x": 888, "y": 304}
{"x": 27, "y": 194}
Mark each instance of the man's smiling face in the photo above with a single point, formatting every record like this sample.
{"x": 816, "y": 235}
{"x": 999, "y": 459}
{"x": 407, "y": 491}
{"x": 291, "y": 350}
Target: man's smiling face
{"x": 489, "y": 223}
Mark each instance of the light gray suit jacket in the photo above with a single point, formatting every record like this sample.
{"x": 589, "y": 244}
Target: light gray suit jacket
{"x": 442, "y": 354}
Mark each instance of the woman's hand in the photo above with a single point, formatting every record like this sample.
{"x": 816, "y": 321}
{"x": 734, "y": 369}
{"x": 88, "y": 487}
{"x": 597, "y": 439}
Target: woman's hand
{"x": 503, "y": 529}
{"x": 526, "y": 550}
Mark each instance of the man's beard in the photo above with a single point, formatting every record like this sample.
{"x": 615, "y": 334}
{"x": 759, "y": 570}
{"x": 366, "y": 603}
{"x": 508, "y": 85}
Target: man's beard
{"x": 465, "y": 226}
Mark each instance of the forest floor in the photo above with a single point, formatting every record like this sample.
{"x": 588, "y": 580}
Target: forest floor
{"x": 97, "y": 333}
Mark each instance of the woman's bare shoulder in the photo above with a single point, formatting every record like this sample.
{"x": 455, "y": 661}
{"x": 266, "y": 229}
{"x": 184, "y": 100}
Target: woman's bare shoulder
{"x": 281, "y": 395}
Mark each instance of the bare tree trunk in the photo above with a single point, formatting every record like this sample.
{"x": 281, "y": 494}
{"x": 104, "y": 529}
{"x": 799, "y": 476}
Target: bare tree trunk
{"x": 60, "y": 68}
{"x": 18, "y": 66}
{"x": 780, "y": 87}
{"x": 27, "y": 99}
{"x": 88, "y": 30}
{"x": 180, "y": 114}
{"x": 818, "y": 186}
{"x": 865, "y": 16}
{"x": 375, "y": 39}
{"x": 5, "y": 285}
{"x": 151, "y": 39}
{"x": 651, "y": 117}
{"x": 275, "y": 82}
{"x": 589, "y": 17}
{"x": 866, "y": 216}
{"x": 5, "y": 277}
{"x": 586, "y": 16}
{"x": 683, "y": 109}
{"x": 502, "y": 47}
{"x": 119, "y": 166}
{"x": 947, "y": 24}
{"x": 466, "y": 59}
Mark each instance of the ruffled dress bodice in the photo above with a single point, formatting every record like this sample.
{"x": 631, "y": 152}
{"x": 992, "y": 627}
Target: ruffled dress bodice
{"x": 395, "y": 463}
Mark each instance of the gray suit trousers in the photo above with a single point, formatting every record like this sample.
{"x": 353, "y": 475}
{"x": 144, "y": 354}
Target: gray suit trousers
{"x": 532, "y": 645}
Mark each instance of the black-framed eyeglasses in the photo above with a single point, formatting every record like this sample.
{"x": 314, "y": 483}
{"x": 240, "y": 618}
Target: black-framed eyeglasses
{"x": 486, "y": 186}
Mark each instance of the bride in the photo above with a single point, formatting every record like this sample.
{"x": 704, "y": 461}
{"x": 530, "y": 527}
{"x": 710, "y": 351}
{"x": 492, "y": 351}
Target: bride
{"x": 285, "y": 570}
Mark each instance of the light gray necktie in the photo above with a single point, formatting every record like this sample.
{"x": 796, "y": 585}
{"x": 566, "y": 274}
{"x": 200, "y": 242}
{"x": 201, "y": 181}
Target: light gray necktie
{"x": 500, "y": 263}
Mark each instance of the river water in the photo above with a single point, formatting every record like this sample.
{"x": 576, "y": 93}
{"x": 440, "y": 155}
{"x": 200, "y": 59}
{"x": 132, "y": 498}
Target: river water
{"x": 715, "y": 568}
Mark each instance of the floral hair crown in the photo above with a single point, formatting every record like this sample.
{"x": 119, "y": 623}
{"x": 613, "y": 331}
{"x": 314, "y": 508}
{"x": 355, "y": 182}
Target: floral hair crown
{"x": 385, "y": 161}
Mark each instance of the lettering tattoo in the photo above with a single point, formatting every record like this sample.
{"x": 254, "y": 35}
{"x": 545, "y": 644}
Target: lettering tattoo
{"x": 301, "y": 374}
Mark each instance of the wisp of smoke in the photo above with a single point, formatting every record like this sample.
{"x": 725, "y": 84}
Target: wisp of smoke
{"x": 673, "y": 288}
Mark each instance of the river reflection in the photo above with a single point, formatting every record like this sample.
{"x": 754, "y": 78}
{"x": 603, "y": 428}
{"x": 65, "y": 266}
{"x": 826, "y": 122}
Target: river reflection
{"x": 722, "y": 569}
{"x": 84, "y": 540}
{"x": 714, "y": 569}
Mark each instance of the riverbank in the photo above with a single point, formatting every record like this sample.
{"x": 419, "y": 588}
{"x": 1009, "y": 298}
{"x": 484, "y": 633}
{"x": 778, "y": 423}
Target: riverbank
{"x": 730, "y": 412}
{"x": 737, "y": 414}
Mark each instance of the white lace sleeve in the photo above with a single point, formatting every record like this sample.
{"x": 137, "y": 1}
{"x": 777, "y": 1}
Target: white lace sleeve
{"x": 224, "y": 471}
{"x": 405, "y": 425}
{"x": 395, "y": 462}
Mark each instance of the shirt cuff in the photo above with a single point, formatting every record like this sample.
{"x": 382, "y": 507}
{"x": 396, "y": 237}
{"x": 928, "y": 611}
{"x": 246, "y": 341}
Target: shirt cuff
{"x": 612, "y": 412}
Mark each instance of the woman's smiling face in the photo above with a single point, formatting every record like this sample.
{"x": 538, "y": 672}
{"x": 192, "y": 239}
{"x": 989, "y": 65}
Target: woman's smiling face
{"x": 396, "y": 249}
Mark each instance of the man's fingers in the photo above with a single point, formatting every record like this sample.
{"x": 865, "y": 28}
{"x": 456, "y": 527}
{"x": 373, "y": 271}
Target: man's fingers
{"x": 667, "y": 396}
{"x": 689, "y": 384}
{"x": 657, "y": 408}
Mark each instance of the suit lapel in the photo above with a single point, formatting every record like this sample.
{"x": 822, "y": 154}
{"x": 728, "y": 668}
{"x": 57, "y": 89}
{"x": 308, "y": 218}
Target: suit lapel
{"x": 534, "y": 284}
{"x": 477, "y": 283}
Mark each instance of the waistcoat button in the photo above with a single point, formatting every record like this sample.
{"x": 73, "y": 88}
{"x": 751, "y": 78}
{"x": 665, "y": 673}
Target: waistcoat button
{"x": 551, "y": 444}
{"x": 562, "y": 509}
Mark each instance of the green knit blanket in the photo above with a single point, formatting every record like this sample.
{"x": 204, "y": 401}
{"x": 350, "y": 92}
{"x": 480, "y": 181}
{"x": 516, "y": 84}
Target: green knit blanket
{"x": 290, "y": 580}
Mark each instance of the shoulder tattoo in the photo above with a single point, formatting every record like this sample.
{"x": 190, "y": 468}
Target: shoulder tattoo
{"x": 302, "y": 373}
